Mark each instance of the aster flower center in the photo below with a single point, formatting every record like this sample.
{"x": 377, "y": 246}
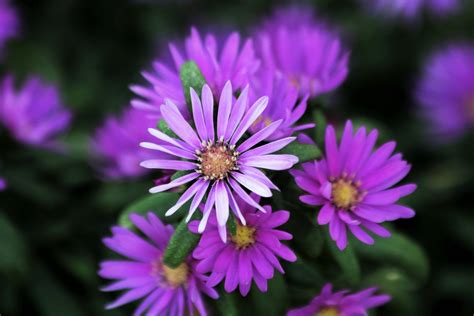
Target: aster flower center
{"x": 345, "y": 193}
{"x": 328, "y": 311}
{"x": 217, "y": 160}
{"x": 177, "y": 276}
{"x": 244, "y": 237}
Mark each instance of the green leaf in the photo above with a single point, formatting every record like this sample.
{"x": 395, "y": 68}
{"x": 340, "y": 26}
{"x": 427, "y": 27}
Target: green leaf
{"x": 163, "y": 126}
{"x": 274, "y": 301}
{"x": 191, "y": 77}
{"x": 181, "y": 244}
{"x": 304, "y": 152}
{"x": 179, "y": 174}
{"x": 226, "y": 304}
{"x": 320, "y": 129}
{"x": 346, "y": 259}
{"x": 232, "y": 225}
{"x": 398, "y": 285}
{"x": 157, "y": 203}
{"x": 398, "y": 250}
{"x": 13, "y": 251}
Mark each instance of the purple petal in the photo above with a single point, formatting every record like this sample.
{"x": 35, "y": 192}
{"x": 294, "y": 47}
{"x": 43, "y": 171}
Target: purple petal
{"x": 252, "y": 114}
{"x": 271, "y": 162}
{"x": 187, "y": 195}
{"x": 178, "y": 124}
{"x": 172, "y": 150}
{"x": 244, "y": 196}
{"x": 198, "y": 115}
{"x": 361, "y": 234}
{"x": 238, "y": 111}
{"x": 326, "y": 214}
{"x": 208, "y": 107}
{"x": 252, "y": 184}
{"x": 268, "y": 148}
{"x": 222, "y": 204}
{"x": 175, "y": 183}
{"x": 225, "y": 106}
{"x": 168, "y": 164}
{"x": 259, "y": 136}
{"x": 130, "y": 296}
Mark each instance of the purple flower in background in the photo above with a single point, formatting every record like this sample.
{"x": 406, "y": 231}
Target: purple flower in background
{"x": 117, "y": 143}
{"x": 341, "y": 304}
{"x": 353, "y": 185}
{"x": 219, "y": 61}
{"x": 282, "y": 104}
{"x": 3, "y": 184}
{"x": 446, "y": 90}
{"x": 166, "y": 291}
{"x": 411, "y": 8}
{"x": 251, "y": 254}
{"x": 9, "y": 23}
{"x": 219, "y": 163}
{"x": 306, "y": 52}
{"x": 33, "y": 114}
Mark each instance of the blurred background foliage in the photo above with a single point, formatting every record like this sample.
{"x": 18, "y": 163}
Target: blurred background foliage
{"x": 57, "y": 208}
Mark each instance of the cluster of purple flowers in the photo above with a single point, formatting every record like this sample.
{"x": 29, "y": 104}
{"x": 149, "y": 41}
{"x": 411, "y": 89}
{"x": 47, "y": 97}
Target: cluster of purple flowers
{"x": 33, "y": 114}
{"x": 411, "y": 8}
{"x": 224, "y": 147}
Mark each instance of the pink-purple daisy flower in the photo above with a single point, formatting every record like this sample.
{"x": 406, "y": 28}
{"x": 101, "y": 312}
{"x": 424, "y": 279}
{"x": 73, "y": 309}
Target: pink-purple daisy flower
{"x": 117, "y": 143}
{"x": 251, "y": 254}
{"x": 219, "y": 163}
{"x": 219, "y": 61}
{"x": 34, "y": 114}
{"x": 353, "y": 184}
{"x": 306, "y": 52}
{"x": 9, "y": 23}
{"x": 165, "y": 291}
{"x": 446, "y": 90}
{"x": 329, "y": 303}
{"x": 283, "y": 104}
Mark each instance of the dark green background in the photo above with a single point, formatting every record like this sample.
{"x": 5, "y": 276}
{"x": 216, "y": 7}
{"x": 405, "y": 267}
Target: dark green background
{"x": 57, "y": 209}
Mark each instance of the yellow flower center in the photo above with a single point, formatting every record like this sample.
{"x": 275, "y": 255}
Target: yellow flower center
{"x": 216, "y": 161}
{"x": 345, "y": 194}
{"x": 244, "y": 237}
{"x": 177, "y": 276}
{"x": 328, "y": 311}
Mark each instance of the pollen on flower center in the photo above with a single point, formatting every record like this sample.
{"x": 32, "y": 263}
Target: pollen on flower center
{"x": 177, "y": 276}
{"x": 244, "y": 237}
{"x": 217, "y": 160}
{"x": 328, "y": 311}
{"x": 345, "y": 193}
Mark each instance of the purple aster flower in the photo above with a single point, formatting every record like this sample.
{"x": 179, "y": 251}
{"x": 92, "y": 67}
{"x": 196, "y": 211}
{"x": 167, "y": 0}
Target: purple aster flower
{"x": 283, "y": 104}
{"x": 3, "y": 184}
{"x": 252, "y": 254}
{"x": 9, "y": 23}
{"x": 117, "y": 144}
{"x": 341, "y": 304}
{"x": 446, "y": 90}
{"x": 306, "y": 52}
{"x": 166, "y": 291}
{"x": 218, "y": 162}
{"x": 353, "y": 185}
{"x": 33, "y": 114}
{"x": 411, "y": 8}
{"x": 218, "y": 61}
